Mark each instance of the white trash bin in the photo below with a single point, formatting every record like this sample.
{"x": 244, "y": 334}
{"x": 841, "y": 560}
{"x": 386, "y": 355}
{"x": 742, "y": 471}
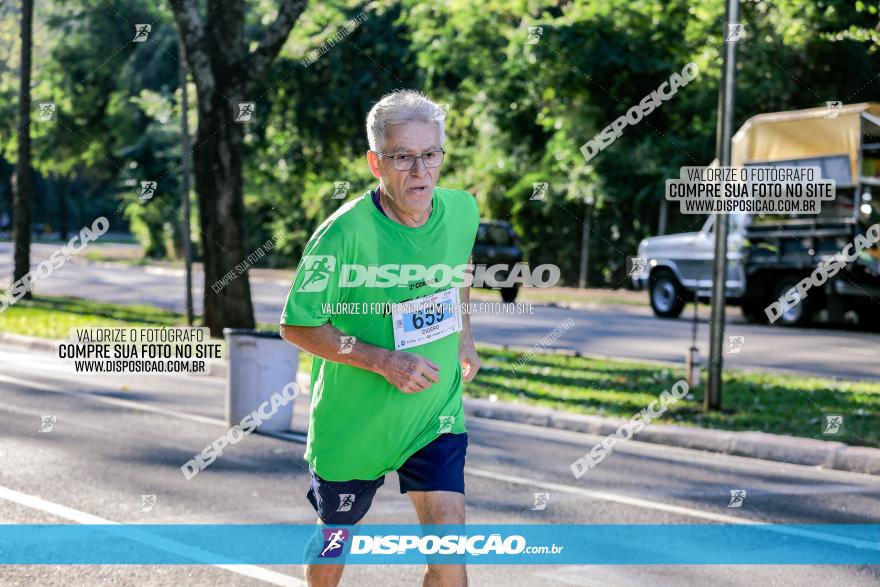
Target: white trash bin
{"x": 260, "y": 364}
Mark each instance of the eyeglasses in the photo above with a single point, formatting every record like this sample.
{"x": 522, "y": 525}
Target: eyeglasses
{"x": 406, "y": 161}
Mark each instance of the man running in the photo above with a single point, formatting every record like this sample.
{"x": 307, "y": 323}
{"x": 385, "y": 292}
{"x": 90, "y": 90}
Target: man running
{"x": 387, "y": 383}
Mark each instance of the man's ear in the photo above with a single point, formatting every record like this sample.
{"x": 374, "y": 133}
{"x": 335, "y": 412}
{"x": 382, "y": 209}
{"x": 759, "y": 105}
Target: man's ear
{"x": 373, "y": 161}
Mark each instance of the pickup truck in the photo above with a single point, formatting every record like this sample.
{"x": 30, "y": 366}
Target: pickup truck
{"x": 767, "y": 255}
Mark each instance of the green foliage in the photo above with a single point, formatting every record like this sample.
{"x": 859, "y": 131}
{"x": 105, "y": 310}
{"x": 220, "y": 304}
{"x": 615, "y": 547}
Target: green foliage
{"x": 518, "y": 114}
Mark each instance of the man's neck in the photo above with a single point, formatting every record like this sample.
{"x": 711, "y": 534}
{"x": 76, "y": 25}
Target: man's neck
{"x": 404, "y": 217}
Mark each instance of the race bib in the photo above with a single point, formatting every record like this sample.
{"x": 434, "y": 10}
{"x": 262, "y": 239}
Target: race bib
{"x": 426, "y": 319}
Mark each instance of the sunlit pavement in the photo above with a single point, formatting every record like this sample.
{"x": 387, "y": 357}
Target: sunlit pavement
{"x": 119, "y": 437}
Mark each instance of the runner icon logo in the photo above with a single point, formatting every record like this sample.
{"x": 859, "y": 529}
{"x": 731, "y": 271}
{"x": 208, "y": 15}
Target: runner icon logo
{"x": 441, "y": 112}
{"x": 541, "y": 500}
{"x": 834, "y": 108}
{"x": 334, "y": 542}
{"x": 46, "y": 111}
{"x": 148, "y": 190}
{"x": 48, "y": 422}
{"x": 637, "y": 266}
{"x": 147, "y": 503}
{"x": 141, "y": 32}
{"x": 346, "y": 500}
{"x": 535, "y": 33}
{"x": 833, "y": 424}
{"x": 245, "y": 111}
{"x": 318, "y": 269}
{"x": 735, "y": 344}
{"x": 446, "y": 424}
{"x": 340, "y": 188}
{"x": 735, "y": 32}
{"x": 346, "y": 344}
{"x": 539, "y": 190}
{"x": 737, "y": 497}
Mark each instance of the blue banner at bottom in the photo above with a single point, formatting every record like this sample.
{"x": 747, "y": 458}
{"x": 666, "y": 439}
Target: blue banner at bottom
{"x": 544, "y": 544}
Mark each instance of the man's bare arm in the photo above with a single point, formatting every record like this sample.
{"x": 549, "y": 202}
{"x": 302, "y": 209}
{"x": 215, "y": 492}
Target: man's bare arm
{"x": 407, "y": 372}
{"x": 467, "y": 350}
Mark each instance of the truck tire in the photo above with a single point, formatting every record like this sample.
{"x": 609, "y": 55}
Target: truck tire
{"x": 799, "y": 314}
{"x": 667, "y": 295}
{"x": 508, "y": 294}
{"x": 869, "y": 319}
{"x": 753, "y": 312}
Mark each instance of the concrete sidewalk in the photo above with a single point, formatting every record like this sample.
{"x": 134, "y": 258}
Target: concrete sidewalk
{"x": 759, "y": 445}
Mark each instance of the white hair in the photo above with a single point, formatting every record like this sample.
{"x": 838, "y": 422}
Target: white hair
{"x": 398, "y": 107}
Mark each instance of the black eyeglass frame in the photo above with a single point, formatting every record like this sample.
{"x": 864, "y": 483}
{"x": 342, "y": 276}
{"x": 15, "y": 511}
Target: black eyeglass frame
{"x": 394, "y": 159}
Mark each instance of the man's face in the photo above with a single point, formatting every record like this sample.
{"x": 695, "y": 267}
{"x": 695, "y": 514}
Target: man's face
{"x": 412, "y": 189}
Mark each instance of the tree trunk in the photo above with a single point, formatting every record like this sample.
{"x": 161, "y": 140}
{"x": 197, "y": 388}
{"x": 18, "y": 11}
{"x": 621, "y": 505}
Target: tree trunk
{"x": 63, "y": 218}
{"x": 218, "y": 174}
{"x": 23, "y": 186}
{"x": 225, "y": 73}
{"x": 218, "y": 168}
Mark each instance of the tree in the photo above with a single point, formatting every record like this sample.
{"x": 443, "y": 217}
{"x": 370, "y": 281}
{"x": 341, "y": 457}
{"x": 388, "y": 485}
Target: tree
{"x": 23, "y": 186}
{"x": 225, "y": 73}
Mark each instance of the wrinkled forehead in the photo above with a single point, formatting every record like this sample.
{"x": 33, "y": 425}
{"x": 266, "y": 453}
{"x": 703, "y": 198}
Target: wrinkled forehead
{"x": 412, "y": 137}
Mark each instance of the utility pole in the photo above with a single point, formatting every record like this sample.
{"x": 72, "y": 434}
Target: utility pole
{"x": 661, "y": 223}
{"x": 585, "y": 241}
{"x": 732, "y": 33}
{"x": 184, "y": 196}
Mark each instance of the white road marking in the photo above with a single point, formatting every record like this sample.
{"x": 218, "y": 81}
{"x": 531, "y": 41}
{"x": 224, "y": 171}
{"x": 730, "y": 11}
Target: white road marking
{"x": 139, "y": 405}
{"x": 485, "y": 473}
{"x": 197, "y": 554}
{"x": 123, "y": 403}
{"x": 665, "y": 507}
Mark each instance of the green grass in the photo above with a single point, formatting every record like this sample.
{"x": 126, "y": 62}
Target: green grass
{"x": 101, "y": 256}
{"x": 765, "y": 402}
{"x": 782, "y": 404}
{"x": 53, "y": 317}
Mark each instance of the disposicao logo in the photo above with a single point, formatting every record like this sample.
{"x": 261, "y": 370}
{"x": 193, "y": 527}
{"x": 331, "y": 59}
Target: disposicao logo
{"x": 334, "y": 542}
{"x": 317, "y": 272}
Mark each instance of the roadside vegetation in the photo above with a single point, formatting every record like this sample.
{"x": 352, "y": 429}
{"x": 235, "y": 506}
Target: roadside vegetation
{"x": 756, "y": 401}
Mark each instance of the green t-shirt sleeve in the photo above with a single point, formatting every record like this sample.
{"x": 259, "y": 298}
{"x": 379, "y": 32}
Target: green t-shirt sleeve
{"x": 471, "y": 214}
{"x": 475, "y": 216}
{"x": 315, "y": 288}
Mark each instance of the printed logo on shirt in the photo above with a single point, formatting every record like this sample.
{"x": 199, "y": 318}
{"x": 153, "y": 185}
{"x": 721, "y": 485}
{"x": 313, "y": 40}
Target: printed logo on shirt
{"x": 318, "y": 269}
{"x": 346, "y": 500}
{"x": 446, "y": 424}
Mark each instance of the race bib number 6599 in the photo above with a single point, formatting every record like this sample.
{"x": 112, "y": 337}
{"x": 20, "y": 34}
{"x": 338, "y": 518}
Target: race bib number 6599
{"x": 426, "y": 319}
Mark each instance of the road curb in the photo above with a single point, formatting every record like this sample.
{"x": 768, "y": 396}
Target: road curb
{"x": 30, "y": 342}
{"x": 795, "y": 450}
{"x": 761, "y": 445}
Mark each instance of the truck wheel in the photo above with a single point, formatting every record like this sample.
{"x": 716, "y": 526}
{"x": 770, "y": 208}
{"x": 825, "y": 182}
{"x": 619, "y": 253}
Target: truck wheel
{"x": 667, "y": 296}
{"x": 753, "y": 312}
{"x": 799, "y": 314}
{"x": 869, "y": 319}
{"x": 508, "y": 294}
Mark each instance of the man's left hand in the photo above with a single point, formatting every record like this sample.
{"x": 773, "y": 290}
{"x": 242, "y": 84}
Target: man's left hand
{"x": 470, "y": 360}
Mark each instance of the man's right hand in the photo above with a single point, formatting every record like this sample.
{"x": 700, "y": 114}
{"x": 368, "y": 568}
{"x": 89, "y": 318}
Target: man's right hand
{"x": 410, "y": 373}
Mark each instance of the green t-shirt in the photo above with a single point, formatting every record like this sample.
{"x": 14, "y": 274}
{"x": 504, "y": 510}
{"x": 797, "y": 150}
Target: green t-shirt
{"x": 362, "y": 427}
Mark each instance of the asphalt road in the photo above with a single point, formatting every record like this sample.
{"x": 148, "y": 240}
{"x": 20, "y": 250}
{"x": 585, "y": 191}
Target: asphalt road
{"x": 621, "y": 331}
{"x": 119, "y": 437}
